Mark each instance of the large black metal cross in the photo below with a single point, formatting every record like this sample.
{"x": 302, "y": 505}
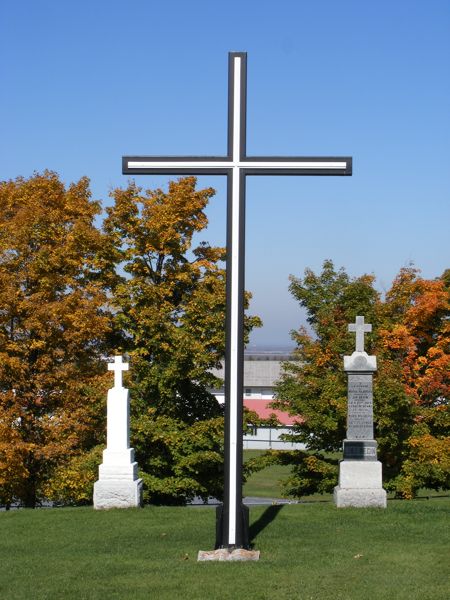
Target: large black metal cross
{"x": 232, "y": 523}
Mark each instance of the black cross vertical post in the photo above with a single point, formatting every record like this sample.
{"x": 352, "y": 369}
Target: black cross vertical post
{"x": 232, "y": 524}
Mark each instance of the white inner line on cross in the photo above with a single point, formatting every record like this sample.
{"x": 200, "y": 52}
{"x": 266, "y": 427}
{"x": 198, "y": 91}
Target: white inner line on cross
{"x": 237, "y": 164}
{"x": 234, "y": 327}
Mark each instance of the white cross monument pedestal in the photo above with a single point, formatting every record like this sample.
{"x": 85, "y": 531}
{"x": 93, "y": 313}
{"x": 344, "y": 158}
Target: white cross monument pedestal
{"x": 118, "y": 485}
{"x": 232, "y": 522}
{"x": 360, "y": 473}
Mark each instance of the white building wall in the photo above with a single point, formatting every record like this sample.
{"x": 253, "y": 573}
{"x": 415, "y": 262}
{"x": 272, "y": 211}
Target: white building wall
{"x": 253, "y": 393}
{"x": 268, "y": 438}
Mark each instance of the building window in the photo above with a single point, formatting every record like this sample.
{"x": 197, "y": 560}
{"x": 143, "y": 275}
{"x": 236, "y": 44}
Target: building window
{"x": 248, "y": 391}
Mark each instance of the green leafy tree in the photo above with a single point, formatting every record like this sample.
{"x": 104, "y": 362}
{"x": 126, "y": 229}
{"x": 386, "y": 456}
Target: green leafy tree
{"x": 314, "y": 384}
{"x": 410, "y": 338}
{"x": 53, "y": 326}
{"x": 170, "y": 304}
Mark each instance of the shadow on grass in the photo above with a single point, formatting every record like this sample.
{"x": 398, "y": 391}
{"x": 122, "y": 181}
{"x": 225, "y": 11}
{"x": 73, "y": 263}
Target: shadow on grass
{"x": 269, "y": 515}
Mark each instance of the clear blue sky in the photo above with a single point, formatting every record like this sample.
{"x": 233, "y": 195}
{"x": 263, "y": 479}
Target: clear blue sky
{"x": 86, "y": 82}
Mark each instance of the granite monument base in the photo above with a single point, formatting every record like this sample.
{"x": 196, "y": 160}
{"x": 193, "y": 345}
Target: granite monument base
{"x": 360, "y": 485}
{"x": 116, "y": 493}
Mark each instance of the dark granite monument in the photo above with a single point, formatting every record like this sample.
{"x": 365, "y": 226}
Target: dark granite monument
{"x": 360, "y": 482}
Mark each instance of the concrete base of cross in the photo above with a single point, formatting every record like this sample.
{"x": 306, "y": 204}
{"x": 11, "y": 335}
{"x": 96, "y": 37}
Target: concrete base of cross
{"x": 223, "y": 554}
{"x": 360, "y": 485}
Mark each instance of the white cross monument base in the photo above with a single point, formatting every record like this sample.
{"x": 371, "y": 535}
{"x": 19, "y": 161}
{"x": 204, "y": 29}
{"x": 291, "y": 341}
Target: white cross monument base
{"x": 118, "y": 485}
{"x": 360, "y": 473}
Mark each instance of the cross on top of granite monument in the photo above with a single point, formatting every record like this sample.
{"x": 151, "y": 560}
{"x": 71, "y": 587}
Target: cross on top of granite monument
{"x": 118, "y": 366}
{"x": 236, "y": 166}
{"x": 360, "y": 328}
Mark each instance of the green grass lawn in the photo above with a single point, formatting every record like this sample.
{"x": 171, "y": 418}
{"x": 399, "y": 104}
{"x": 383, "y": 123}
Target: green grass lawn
{"x": 265, "y": 483}
{"x": 309, "y": 551}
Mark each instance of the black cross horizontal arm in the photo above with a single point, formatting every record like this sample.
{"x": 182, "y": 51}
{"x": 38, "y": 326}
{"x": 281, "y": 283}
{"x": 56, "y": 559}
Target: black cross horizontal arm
{"x": 248, "y": 165}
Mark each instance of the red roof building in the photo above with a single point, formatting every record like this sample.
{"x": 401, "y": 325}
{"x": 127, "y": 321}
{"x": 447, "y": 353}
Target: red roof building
{"x": 262, "y": 371}
{"x": 261, "y": 407}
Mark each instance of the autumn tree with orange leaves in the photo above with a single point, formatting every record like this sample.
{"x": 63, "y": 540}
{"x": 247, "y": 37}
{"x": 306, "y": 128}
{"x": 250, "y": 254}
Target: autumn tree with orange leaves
{"x": 411, "y": 338}
{"x": 53, "y": 327}
{"x": 72, "y": 294}
{"x": 414, "y": 341}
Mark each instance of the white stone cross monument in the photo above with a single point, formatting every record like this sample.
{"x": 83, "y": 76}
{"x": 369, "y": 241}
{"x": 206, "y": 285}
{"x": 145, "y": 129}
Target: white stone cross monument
{"x": 360, "y": 481}
{"x": 232, "y": 522}
{"x": 118, "y": 485}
